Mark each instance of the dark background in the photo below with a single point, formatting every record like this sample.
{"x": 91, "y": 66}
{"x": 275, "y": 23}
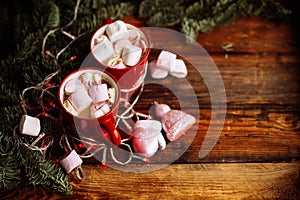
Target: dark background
{"x": 11, "y": 8}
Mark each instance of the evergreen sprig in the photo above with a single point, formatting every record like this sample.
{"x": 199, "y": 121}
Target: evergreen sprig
{"x": 26, "y": 66}
{"x": 203, "y": 15}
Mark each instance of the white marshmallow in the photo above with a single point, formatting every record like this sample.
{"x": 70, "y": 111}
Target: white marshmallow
{"x": 156, "y": 72}
{"x": 97, "y": 78}
{"x": 119, "y": 65}
{"x": 112, "y": 95}
{"x": 98, "y": 112}
{"x": 95, "y": 113}
{"x": 161, "y": 141}
{"x": 180, "y": 70}
{"x": 133, "y": 35}
{"x": 141, "y": 43}
{"x": 147, "y": 128}
{"x": 105, "y": 108}
{"x": 98, "y": 93}
{"x": 120, "y": 44}
{"x": 71, "y": 161}
{"x": 131, "y": 55}
{"x": 72, "y": 85}
{"x": 166, "y": 60}
{"x": 103, "y": 50}
{"x": 87, "y": 79}
{"x": 29, "y": 125}
{"x": 80, "y": 100}
{"x": 116, "y": 63}
{"x": 99, "y": 39}
{"x": 68, "y": 106}
{"x": 117, "y": 31}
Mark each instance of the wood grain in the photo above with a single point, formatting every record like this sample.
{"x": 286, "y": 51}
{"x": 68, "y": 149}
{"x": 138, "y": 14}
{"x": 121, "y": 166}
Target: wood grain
{"x": 257, "y": 154}
{"x": 177, "y": 181}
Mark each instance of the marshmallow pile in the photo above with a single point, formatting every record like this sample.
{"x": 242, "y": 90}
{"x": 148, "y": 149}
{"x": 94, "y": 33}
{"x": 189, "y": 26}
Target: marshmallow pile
{"x": 89, "y": 96}
{"x": 167, "y": 63}
{"x": 119, "y": 46}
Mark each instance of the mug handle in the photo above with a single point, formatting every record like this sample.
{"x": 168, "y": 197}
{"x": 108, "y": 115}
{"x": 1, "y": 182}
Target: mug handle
{"x": 113, "y": 133}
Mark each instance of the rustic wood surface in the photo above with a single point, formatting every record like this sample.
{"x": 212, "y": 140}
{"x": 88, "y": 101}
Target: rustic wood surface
{"x": 257, "y": 154}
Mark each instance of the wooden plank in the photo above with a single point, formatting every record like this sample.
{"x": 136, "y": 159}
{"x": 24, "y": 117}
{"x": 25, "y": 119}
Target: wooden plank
{"x": 193, "y": 181}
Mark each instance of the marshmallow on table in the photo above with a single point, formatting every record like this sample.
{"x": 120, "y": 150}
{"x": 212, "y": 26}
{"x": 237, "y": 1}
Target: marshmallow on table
{"x": 29, "y": 125}
{"x": 71, "y": 161}
{"x": 180, "y": 70}
{"x": 161, "y": 109}
{"x": 98, "y": 93}
{"x": 166, "y": 60}
{"x": 131, "y": 55}
{"x": 147, "y": 137}
{"x": 80, "y": 100}
{"x": 117, "y": 31}
{"x": 157, "y": 72}
{"x": 120, "y": 44}
{"x": 103, "y": 50}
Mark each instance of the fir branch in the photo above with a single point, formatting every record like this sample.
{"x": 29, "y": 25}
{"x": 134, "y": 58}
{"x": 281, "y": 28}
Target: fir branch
{"x": 10, "y": 172}
{"x": 207, "y": 14}
{"x": 149, "y": 8}
{"x": 45, "y": 173}
{"x": 26, "y": 66}
{"x": 53, "y": 18}
{"x": 166, "y": 17}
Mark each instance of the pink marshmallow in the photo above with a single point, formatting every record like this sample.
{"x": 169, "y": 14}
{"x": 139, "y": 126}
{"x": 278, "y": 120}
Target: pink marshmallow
{"x": 156, "y": 72}
{"x": 147, "y": 137}
{"x": 161, "y": 109}
{"x": 166, "y": 60}
{"x": 120, "y": 44}
{"x": 98, "y": 93}
{"x": 80, "y": 100}
{"x": 180, "y": 70}
{"x": 176, "y": 122}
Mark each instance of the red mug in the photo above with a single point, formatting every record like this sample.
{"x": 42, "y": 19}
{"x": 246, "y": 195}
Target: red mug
{"x": 130, "y": 78}
{"x": 101, "y": 128}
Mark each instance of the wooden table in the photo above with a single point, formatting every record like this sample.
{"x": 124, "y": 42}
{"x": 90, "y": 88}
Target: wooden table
{"x": 257, "y": 154}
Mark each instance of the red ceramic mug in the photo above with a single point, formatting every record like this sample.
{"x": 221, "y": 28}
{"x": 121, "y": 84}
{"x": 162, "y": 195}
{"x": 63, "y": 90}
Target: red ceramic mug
{"x": 101, "y": 128}
{"x": 130, "y": 78}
